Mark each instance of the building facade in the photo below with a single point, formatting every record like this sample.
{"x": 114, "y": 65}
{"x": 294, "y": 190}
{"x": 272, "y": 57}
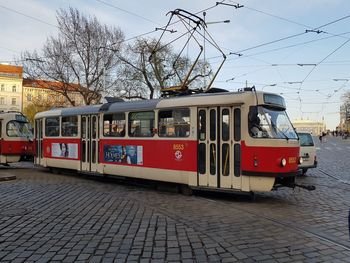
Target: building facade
{"x": 344, "y": 124}
{"x": 11, "y": 88}
{"x": 314, "y": 127}
{"x": 47, "y": 94}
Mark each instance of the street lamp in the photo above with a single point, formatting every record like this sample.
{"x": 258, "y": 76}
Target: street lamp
{"x": 35, "y": 59}
{"x": 341, "y": 80}
{"x": 269, "y": 85}
{"x": 293, "y": 82}
{"x": 218, "y": 22}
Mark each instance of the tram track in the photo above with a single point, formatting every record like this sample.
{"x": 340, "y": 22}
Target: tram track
{"x": 334, "y": 177}
{"x": 324, "y": 237}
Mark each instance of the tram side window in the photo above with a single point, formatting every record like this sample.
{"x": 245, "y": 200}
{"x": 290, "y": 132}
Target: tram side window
{"x": 69, "y": 126}
{"x": 141, "y": 124}
{"x": 174, "y": 123}
{"x": 52, "y": 126}
{"x": 114, "y": 125}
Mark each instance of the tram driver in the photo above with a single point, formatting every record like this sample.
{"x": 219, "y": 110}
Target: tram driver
{"x": 255, "y": 129}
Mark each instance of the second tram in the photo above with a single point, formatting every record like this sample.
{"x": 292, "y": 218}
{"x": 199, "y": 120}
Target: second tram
{"x": 16, "y": 141}
{"x": 232, "y": 141}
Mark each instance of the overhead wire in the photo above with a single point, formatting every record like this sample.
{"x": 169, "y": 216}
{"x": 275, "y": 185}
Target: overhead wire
{"x": 327, "y": 24}
{"x": 163, "y": 27}
{"x": 128, "y": 12}
{"x": 289, "y": 46}
{"x": 28, "y": 16}
{"x": 314, "y": 30}
{"x": 335, "y": 50}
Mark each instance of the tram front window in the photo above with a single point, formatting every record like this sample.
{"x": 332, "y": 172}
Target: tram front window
{"x": 19, "y": 129}
{"x": 268, "y": 122}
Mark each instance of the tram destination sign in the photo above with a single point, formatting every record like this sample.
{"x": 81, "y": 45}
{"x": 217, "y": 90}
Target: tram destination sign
{"x": 274, "y": 100}
{"x": 21, "y": 118}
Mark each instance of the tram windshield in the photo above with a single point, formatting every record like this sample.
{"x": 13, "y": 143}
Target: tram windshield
{"x": 268, "y": 122}
{"x": 19, "y": 129}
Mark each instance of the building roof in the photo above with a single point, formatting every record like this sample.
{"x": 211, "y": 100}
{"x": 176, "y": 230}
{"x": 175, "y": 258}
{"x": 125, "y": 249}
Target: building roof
{"x": 9, "y": 71}
{"x": 52, "y": 85}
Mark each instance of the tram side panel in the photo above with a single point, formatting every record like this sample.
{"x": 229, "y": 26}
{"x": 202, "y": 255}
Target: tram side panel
{"x": 155, "y": 159}
{"x": 15, "y": 150}
{"x": 62, "y": 153}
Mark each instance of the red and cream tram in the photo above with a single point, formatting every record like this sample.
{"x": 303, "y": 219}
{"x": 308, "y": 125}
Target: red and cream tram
{"x": 16, "y": 141}
{"x": 240, "y": 141}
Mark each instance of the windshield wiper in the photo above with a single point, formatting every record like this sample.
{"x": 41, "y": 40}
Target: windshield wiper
{"x": 279, "y": 130}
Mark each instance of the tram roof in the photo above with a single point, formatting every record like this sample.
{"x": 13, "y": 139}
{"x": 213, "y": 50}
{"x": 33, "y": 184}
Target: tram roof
{"x": 138, "y": 105}
{"x": 189, "y": 100}
{"x": 92, "y": 109}
{"x": 95, "y": 109}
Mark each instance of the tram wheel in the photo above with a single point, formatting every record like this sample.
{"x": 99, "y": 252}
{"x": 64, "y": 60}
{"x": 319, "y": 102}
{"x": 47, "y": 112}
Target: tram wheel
{"x": 54, "y": 170}
{"x": 252, "y": 196}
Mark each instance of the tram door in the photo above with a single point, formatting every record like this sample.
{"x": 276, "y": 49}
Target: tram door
{"x": 39, "y": 141}
{"x": 89, "y": 142}
{"x": 217, "y": 143}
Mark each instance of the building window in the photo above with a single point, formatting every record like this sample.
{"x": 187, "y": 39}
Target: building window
{"x": 2, "y": 101}
{"x": 29, "y": 97}
{"x": 2, "y": 87}
{"x": 14, "y": 101}
{"x": 14, "y": 88}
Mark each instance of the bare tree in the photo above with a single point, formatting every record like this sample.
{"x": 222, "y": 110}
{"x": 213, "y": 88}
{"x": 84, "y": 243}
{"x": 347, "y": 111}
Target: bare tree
{"x": 83, "y": 53}
{"x": 143, "y": 72}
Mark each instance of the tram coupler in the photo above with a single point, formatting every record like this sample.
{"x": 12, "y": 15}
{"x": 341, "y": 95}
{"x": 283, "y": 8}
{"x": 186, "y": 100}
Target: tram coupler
{"x": 307, "y": 187}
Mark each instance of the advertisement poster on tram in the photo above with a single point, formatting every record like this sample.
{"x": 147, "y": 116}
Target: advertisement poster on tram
{"x": 129, "y": 154}
{"x": 64, "y": 150}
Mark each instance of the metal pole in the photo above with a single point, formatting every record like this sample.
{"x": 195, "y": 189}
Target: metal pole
{"x": 104, "y": 78}
{"x": 204, "y": 79}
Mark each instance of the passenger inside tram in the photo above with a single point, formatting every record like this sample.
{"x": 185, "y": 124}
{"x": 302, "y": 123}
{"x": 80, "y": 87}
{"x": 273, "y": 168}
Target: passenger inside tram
{"x": 122, "y": 132}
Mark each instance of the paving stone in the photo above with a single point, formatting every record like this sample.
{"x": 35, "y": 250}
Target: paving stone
{"x": 72, "y": 219}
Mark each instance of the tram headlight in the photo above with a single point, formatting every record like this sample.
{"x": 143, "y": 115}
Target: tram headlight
{"x": 283, "y": 162}
{"x": 301, "y": 160}
{"x": 255, "y": 162}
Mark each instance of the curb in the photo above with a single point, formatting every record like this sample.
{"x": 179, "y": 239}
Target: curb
{"x": 7, "y": 177}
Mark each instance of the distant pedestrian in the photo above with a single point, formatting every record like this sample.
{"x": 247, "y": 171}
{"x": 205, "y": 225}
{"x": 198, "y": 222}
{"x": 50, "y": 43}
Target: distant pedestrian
{"x": 320, "y": 138}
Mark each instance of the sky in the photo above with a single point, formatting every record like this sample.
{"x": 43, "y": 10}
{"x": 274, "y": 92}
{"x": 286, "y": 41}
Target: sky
{"x": 299, "y": 49}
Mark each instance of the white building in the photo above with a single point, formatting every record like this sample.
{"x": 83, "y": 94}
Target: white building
{"x": 314, "y": 127}
{"x": 10, "y": 88}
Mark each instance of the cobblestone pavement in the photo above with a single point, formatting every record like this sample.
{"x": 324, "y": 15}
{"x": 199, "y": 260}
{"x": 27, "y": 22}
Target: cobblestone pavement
{"x": 335, "y": 155}
{"x": 47, "y": 217}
